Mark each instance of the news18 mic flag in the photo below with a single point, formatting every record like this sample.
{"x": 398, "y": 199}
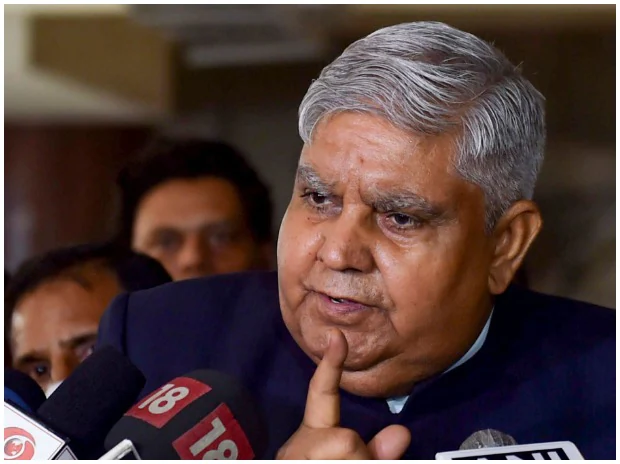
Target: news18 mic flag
{"x": 201, "y": 415}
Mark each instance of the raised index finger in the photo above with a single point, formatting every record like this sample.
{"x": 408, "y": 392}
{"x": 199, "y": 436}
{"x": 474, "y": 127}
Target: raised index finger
{"x": 323, "y": 402}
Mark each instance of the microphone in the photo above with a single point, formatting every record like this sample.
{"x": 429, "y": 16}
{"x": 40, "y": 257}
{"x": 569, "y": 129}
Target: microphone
{"x": 202, "y": 415}
{"x": 493, "y": 444}
{"x": 487, "y": 438}
{"x": 92, "y": 399}
{"x": 25, "y": 437}
{"x": 22, "y": 391}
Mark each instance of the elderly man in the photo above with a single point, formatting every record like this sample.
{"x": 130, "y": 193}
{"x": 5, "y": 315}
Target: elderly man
{"x": 410, "y": 214}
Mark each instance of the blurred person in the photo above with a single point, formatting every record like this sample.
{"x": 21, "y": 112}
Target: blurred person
{"x": 196, "y": 206}
{"x": 55, "y": 300}
{"x": 7, "y": 345}
{"x": 391, "y": 328}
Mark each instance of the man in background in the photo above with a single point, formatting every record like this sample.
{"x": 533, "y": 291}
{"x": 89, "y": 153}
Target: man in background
{"x": 54, "y": 302}
{"x": 198, "y": 207}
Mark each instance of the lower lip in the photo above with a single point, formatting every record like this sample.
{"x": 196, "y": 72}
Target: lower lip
{"x": 346, "y": 307}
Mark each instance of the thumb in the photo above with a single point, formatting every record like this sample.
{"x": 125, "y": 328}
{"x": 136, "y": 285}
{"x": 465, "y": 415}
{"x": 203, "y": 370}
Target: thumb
{"x": 390, "y": 443}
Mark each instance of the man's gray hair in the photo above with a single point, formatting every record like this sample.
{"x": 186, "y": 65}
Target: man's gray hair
{"x": 430, "y": 78}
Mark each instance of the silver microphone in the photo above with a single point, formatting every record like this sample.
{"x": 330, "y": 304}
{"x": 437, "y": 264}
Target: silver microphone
{"x": 488, "y": 438}
{"x": 493, "y": 444}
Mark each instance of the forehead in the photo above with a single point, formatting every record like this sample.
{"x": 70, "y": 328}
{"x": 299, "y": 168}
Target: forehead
{"x": 366, "y": 150}
{"x": 58, "y": 308}
{"x": 180, "y": 201}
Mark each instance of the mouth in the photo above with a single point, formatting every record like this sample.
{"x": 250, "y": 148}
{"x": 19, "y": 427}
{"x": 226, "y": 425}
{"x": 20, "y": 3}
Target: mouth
{"x": 342, "y": 305}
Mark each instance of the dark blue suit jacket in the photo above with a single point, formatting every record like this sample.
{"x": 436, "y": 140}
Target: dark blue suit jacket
{"x": 545, "y": 373}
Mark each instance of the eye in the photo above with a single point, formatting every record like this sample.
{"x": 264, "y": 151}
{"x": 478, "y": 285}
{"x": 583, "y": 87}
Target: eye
{"x": 168, "y": 241}
{"x": 315, "y": 198}
{"x": 85, "y": 351}
{"x": 39, "y": 371}
{"x": 403, "y": 221}
{"x": 221, "y": 238}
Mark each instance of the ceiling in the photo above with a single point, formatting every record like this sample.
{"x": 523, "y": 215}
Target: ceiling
{"x": 123, "y": 62}
{"x": 36, "y": 94}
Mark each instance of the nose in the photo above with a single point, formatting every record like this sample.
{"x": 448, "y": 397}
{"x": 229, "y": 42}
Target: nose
{"x": 194, "y": 258}
{"x": 346, "y": 244}
{"x": 63, "y": 364}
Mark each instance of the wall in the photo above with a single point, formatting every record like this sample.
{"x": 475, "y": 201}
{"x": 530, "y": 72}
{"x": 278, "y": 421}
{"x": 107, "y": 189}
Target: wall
{"x": 59, "y": 183}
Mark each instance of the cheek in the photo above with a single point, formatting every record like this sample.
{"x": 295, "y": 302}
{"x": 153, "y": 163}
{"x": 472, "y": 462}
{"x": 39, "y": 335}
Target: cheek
{"x": 166, "y": 260}
{"x": 429, "y": 275}
{"x": 415, "y": 282}
{"x": 298, "y": 243}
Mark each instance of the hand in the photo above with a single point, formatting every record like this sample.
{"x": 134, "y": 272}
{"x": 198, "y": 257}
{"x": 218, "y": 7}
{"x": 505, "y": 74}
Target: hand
{"x": 319, "y": 435}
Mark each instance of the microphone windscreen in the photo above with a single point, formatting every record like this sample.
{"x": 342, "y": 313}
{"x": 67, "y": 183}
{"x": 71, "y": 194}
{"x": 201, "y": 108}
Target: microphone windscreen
{"x": 22, "y": 390}
{"x": 488, "y": 438}
{"x": 92, "y": 399}
{"x": 201, "y": 415}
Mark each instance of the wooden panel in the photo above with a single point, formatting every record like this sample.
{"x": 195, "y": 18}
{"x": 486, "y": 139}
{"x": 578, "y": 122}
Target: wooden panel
{"x": 109, "y": 52}
{"x": 59, "y": 184}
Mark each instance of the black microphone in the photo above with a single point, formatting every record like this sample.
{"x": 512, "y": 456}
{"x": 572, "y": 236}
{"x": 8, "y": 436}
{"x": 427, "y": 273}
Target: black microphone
{"x": 22, "y": 391}
{"x": 92, "y": 399}
{"x": 201, "y": 415}
{"x": 493, "y": 444}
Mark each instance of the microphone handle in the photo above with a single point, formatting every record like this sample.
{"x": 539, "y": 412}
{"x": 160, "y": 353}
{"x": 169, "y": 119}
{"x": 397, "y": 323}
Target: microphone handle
{"x": 120, "y": 451}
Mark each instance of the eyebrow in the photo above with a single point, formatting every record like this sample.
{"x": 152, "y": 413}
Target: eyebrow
{"x": 381, "y": 200}
{"x": 29, "y": 358}
{"x": 403, "y": 200}
{"x": 71, "y": 343}
{"x": 78, "y": 340}
{"x": 224, "y": 224}
{"x": 307, "y": 175}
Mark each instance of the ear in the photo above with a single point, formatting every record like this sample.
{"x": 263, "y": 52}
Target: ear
{"x": 513, "y": 235}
